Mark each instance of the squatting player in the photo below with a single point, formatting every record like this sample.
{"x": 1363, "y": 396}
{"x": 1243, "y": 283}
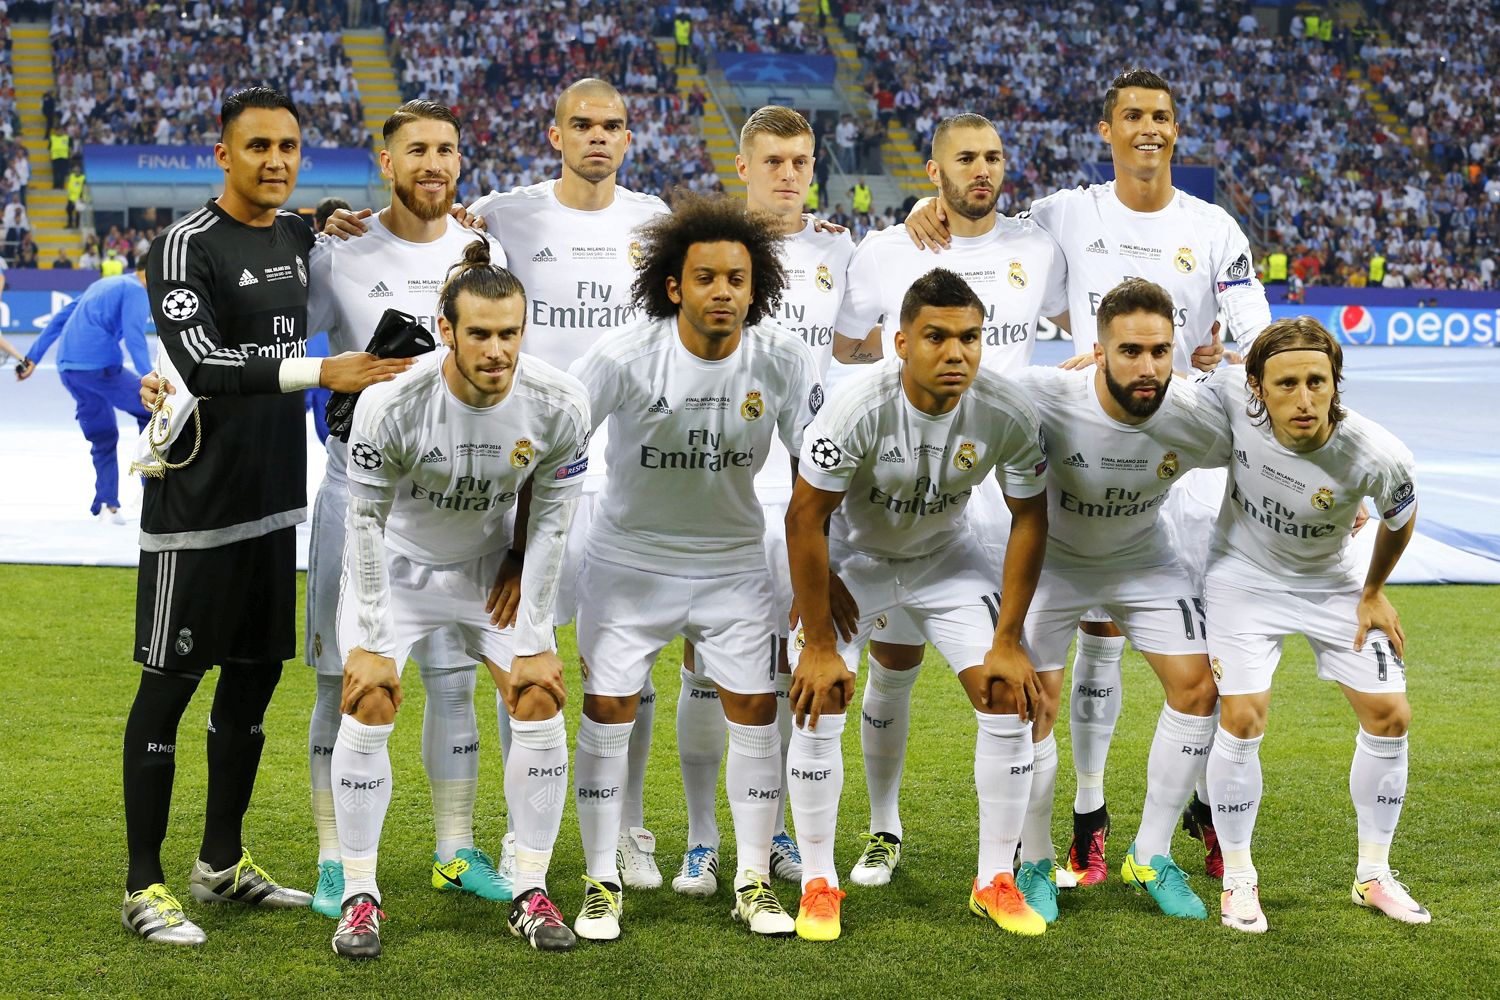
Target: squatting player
{"x": 693, "y": 396}
{"x": 1019, "y": 275}
{"x": 427, "y": 542}
{"x": 217, "y": 582}
{"x": 894, "y": 459}
{"x": 1120, "y": 435}
{"x": 400, "y": 263}
{"x": 1281, "y": 566}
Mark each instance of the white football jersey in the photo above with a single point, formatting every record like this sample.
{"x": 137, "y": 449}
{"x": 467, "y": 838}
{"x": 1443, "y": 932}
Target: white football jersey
{"x": 816, "y": 267}
{"x": 1015, "y": 269}
{"x": 456, "y": 470}
{"x": 353, "y": 282}
{"x": 577, "y": 266}
{"x": 1287, "y": 516}
{"x": 686, "y": 438}
{"x": 1108, "y": 480}
{"x": 1194, "y": 250}
{"x": 907, "y": 476}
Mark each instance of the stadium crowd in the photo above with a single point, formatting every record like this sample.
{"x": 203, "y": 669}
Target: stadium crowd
{"x": 154, "y": 74}
{"x": 1310, "y": 169}
{"x": 500, "y": 67}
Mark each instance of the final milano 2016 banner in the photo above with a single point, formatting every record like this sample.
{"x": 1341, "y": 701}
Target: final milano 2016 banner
{"x": 195, "y": 165}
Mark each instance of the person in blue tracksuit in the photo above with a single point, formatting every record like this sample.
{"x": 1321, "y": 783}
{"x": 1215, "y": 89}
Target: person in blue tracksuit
{"x": 92, "y": 327}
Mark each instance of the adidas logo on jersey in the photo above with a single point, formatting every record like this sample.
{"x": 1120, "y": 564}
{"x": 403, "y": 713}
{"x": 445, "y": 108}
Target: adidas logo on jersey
{"x": 381, "y": 292}
{"x": 894, "y": 455}
{"x": 246, "y": 278}
{"x": 543, "y": 255}
{"x": 435, "y": 455}
{"x": 660, "y": 406}
{"x": 1097, "y": 247}
{"x": 1076, "y": 460}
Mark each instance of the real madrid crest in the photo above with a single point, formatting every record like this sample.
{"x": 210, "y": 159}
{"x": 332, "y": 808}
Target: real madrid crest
{"x": 1185, "y": 261}
{"x": 636, "y": 254}
{"x": 522, "y": 455}
{"x": 753, "y": 406}
{"x": 302, "y": 272}
{"x": 824, "y": 278}
{"x": 160, "y": 427}
{"x": 1016, "y": 277}
{"x": 1218, "y": 669}
{"x": 881, "y": 622}
{"x": 1323, "y": 499}
{"x": 1168, "y": 467}
{"x": 966, "y": 457}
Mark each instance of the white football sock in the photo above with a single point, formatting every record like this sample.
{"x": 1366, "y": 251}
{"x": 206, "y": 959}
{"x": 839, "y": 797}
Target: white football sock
{"x": 1003, "y": 758}
{"x": 1036, "y": 831}
{"x": 1377, "y": 784}
{"x": 1094, "y": 701}
{"x": 634, "y": 811}
{"x": 815, "y": 779}
{"x": 362, "y": 793}
{"x": 784, "y": 730}
{"x": 700, "y": 747}
{"x": 322, "y": 731}
{"x": 536, "y": 788}
{"x": 884, "y": 721}
{"x": 1178, "y": 754}
{"x": 505, "y": 743}
{"x": 599, "y": 767}
{"x": 1234, "y": 789}
{"x": 450, "y": 752}
{"x": 754, "y": 791}
{"x": 1200, "y": 789}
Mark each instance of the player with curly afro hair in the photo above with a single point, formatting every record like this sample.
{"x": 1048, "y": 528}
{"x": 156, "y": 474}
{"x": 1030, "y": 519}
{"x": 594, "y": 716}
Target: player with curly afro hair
{"x": 667, "y": 240}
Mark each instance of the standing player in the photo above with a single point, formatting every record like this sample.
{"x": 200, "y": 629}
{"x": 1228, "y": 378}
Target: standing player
{"x": 895, "y": 459}
{"x": 1121, "y": 435}
{"x": 571, "y": 242}
{"x": 89, "y": 362}
{"x": 693, "y": 395}
{"x": 217, "y": 581}
{"x": 776, "y": 163}
{"x": 1138, "y": 225}
{"x": 427, "y": 541}
{"x": 775, "y": 160}
{"x": 1281, "y": 566}
{"x": 400, "y": 264}
{"x": 1019, "y": 275}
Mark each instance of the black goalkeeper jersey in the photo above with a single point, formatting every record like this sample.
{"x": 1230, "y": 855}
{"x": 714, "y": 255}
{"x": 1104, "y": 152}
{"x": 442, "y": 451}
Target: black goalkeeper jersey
{"x": 230, "y": 302}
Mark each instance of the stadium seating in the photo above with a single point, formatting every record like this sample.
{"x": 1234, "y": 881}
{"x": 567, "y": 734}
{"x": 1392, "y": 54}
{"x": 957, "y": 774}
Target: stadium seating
{"x": 501, "y": 68}
{"x": 755, "y": 26}
{"x": 1290, "y": 121}
{"x": 135, "y": 74}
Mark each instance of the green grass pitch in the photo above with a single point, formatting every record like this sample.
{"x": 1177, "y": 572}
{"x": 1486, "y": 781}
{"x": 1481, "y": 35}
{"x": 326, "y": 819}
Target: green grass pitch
{"x": 67, "y": 684}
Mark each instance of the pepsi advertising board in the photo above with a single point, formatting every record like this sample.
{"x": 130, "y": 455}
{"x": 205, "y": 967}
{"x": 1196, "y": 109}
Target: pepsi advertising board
{"x": 1384, "y": 326}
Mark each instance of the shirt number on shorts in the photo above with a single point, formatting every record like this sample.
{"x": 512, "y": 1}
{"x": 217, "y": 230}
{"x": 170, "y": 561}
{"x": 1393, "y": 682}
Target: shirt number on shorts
{"x": 1188, "y": 614}
{"x": 1382, "y": 659}
{"x": 992, "y": 605}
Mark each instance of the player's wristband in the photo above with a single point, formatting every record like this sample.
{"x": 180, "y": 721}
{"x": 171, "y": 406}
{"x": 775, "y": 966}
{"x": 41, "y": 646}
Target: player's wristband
{"x": 296, "y": 374}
